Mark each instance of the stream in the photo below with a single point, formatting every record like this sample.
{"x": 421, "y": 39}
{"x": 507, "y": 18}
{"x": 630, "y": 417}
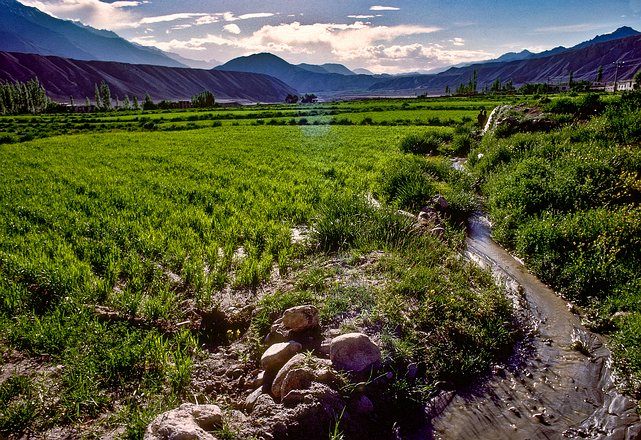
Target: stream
{"x": 558, "y": 382}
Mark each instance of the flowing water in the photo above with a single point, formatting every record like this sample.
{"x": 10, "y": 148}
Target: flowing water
{"x": 557, "y": 384}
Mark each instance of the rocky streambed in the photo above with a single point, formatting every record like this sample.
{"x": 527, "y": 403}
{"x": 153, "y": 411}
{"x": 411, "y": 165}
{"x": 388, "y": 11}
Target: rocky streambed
{"x": 558, "y": 383}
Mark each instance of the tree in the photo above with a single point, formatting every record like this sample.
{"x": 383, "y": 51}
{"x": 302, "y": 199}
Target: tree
{"x": 599, "y": 74}
{"x": 97, "y": 92}
{"x": 87, "y": 103}
{"x": 571, "y": 79}
{"x": 637, "y": 80}
{"x": 20, "y": 97}
{"x": 126, "y": 104}
{"x": 309, "y": 98}
{"x": 496, "y": 86}
{"x": 509, "y": 86}
{"x": 105, "y": 94}
{"x": 71, "y": 103}
{"x": 204, "y": 99}
{"x": 148, "y": 104}
{"x": 135, "y": 104}
{"x": 291, "y": 99}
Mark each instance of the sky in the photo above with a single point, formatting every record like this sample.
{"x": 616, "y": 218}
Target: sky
{"x": 383, "y": 36}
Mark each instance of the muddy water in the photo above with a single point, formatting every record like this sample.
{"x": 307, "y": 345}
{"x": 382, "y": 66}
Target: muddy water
{"x": 558, "y": 383}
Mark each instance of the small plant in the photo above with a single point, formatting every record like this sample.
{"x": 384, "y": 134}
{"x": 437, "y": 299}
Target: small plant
{"x": 426, "y": 144}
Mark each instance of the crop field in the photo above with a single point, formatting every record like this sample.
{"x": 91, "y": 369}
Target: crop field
{"x": 117, "y": 248}
{"x": 432, "y": 112}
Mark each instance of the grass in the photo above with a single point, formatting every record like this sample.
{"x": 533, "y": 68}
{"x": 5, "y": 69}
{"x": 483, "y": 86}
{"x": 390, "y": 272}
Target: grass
{"x": 110, "y": 238}
{"x": 391, "y": 112}
{"x": 568, "y": 202}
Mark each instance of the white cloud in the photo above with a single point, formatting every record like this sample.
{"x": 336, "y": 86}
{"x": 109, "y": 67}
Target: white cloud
{"x": 170, "y": 17}
{"x": 458, "y": 41}
{"x": 361, "y": 17}
{"x": 208, "y": 19}
{"x": 232, "y": 28}
{"x": 92, "y": 12}
{"x": 384, "y": 8}
{"x": 359, "y": 43}
{"x": 255, "y": 15}
{"x": 127, "y": 4}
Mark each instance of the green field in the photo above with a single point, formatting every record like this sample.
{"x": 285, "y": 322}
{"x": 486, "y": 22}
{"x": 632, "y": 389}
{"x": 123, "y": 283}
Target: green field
{"x": 433, "y": 112}
{"x": 114, "y": 245}
{"x": 135, "y": 247}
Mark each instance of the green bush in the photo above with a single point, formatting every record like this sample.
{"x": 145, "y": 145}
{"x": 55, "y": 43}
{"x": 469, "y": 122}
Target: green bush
{"x": 427, "y": 144}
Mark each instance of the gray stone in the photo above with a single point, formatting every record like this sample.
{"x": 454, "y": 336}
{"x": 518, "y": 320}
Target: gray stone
{"x": 301, "y": 318}
{"x": 354, "y": 352}
{"x": 278, "y": 333}
{"x": 278, "y": 354}
{"x": 188, "y": 422}
{"x": 324, "y": 348}
{"x": 295, "y": 362}
{"x": 297, "y": 379}
{"x": 250, "y": 401}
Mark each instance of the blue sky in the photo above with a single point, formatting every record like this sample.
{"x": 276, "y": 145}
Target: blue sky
{"x": 382, "y": 36}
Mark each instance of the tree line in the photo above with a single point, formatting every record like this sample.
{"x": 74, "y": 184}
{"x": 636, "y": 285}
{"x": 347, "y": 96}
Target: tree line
{"x": 31, "y": 97}
{"x": 23, "y": 97}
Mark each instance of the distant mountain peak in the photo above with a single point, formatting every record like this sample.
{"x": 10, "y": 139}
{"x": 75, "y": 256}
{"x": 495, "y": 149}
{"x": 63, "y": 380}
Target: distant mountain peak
{"x": 26, "y": 29}
{"x": 622, "y": 32}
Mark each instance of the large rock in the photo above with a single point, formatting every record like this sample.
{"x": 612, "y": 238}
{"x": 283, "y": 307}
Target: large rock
{"x": 278, "y": 354}
{"x": 295, "y": 362}
{"x": 188, "y": 422}
{"x": 301, "y": 318}
{"x": 354, "y": 352}
{"x": 318, "y": 370}
{"x": 297, "y": 379}
{"x": 251, "y": 400}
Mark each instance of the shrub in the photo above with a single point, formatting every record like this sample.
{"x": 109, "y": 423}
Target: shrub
{"x": 561, "y": 105}
{"x": 428, "y": 144}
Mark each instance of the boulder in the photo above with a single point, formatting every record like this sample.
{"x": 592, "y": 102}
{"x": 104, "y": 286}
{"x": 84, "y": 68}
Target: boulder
{"x": 429, "y": 216}
{"x": 297, "y": 379}
{"x": 439, "y": 202}
{"x": 316, "y": 395}
{"x": 278, "y": 333}
{"x": 278, "y": 354}
{"x": 301, "y": 318}
{"x": 189, "y": 421}
{"x": 354, "y": 352}
{"x": 295, "y": 362}
{"x": 251, "y": 400}
{"x": 318, "y": 370}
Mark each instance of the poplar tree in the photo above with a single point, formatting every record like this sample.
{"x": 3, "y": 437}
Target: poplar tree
{"x": 105, "y": 93}
{"x": 97, "y": 91}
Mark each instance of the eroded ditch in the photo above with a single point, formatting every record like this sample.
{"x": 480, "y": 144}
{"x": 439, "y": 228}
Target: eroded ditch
{"x": 557, "y": 384}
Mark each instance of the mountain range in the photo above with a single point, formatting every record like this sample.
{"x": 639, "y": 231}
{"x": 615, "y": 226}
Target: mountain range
{"x": 554, "y": 66}
{"x": 69, "y": 58}
{"x": 63, "y": 77}
{"x": 28, "y": 30}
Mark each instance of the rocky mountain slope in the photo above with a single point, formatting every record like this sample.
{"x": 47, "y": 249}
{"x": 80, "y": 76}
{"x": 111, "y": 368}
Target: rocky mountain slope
{"x": 28, "y": 30}
{"x": 583, "y": 63}
{"x": 63, "y": 77}
{"x": 299, "y": 77}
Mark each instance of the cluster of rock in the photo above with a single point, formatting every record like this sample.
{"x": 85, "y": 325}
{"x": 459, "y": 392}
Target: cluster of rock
{"x": 510, "y": 119}
{"x": 430, "y": 217}
{"x": 297, "y": 392}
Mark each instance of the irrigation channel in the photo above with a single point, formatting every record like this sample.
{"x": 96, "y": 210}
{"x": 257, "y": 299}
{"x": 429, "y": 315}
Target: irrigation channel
{"x": 557, "y": 384}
